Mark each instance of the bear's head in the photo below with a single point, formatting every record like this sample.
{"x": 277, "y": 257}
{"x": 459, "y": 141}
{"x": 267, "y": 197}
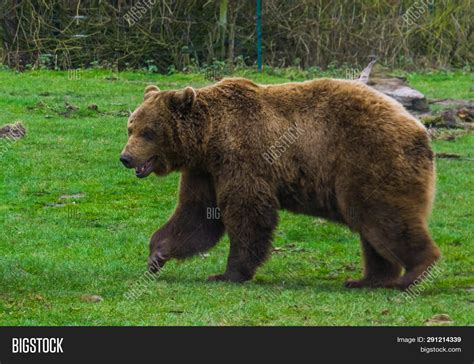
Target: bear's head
{"x": 152, "y": 127}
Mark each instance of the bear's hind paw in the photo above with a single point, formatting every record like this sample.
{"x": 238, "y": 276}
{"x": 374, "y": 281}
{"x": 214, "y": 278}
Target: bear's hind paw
{"x": 370, "y": 283}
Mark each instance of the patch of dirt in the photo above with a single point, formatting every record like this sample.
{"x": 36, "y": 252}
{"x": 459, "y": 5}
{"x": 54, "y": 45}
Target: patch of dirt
{"x": 91, "y": 298}
{"x": 70, "y": 108}
{"x": 439, "y": 319}
{"x": 293, "y": 248}
{"x": 37, "y": 106}
{"x": 40, "y": 193}
{"x": 74, "y": 195}
{"x": 119, "y": 113}
{"x": 13, "y": 131}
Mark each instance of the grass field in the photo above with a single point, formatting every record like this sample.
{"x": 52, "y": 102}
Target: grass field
{"x": 76, "y": 223}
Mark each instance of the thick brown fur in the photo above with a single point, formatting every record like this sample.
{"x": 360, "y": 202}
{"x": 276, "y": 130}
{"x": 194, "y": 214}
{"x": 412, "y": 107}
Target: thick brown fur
{"x": 355, "y": 157}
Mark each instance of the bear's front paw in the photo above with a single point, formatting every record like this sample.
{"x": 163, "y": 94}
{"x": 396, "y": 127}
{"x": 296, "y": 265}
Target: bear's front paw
{"x": 356, "y": 283}
{"x": 156, "y": 261}
{"x": 228, "y": 277}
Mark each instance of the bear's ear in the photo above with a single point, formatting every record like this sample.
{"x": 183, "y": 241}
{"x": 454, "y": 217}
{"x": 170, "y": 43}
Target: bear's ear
{"x": 150, "y": 90}
{"x": 183, "y": 100}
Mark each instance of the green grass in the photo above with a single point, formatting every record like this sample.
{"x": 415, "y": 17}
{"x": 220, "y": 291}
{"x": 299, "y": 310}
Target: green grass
{"x": 53, "y": 251}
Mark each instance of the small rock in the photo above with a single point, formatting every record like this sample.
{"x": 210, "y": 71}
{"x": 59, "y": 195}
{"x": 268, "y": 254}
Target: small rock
{"x": 93, "y": 107}
{"x": 91, "y": 298}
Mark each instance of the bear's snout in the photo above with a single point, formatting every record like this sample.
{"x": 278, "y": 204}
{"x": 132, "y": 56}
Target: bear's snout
{"x": 126, "y": 160}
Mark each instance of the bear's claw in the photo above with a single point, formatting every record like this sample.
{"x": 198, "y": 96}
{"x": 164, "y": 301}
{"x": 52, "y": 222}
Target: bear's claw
{"x": 155, "y": 262}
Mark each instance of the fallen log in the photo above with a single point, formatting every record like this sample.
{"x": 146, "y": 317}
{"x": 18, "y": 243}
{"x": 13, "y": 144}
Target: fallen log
{"x": 395, "y": 87}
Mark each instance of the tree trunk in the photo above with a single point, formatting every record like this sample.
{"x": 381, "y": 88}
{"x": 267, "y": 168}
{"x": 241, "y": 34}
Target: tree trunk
{"x": 223, "y": 25}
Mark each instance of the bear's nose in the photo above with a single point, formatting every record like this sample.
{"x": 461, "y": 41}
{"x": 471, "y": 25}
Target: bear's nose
{"x": 126, "y": 160}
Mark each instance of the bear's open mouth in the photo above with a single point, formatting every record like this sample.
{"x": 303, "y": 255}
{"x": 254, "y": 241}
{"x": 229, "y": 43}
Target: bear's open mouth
{"x": 146, "y": 168}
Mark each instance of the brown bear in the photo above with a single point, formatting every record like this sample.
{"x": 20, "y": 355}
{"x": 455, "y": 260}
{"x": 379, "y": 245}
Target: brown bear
{"x": 331, "y": 148}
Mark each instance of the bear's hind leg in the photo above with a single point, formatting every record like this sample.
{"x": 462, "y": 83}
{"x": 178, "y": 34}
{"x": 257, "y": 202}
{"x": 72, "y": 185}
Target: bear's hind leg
{"x": 420, "y": 258}
{"x": 378, "y": 271}
{"x": 408, "y": 244}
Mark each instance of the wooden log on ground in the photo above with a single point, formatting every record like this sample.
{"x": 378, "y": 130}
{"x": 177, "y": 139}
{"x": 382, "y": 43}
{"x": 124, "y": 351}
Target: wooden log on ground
{"x": 395, "y": 87}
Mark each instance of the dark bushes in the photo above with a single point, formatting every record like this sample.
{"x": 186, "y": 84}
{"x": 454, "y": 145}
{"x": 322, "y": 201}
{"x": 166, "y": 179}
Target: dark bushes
{"x": 158, "y": 34}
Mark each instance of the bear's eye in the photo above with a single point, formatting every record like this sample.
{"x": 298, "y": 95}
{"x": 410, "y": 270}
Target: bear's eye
{"x": 148, "y": 134}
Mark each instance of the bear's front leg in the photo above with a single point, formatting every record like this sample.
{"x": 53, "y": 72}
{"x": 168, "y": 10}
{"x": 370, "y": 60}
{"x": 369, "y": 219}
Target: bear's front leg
{"x": 192, "y": 228}
{"x": 250, "y": 217}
